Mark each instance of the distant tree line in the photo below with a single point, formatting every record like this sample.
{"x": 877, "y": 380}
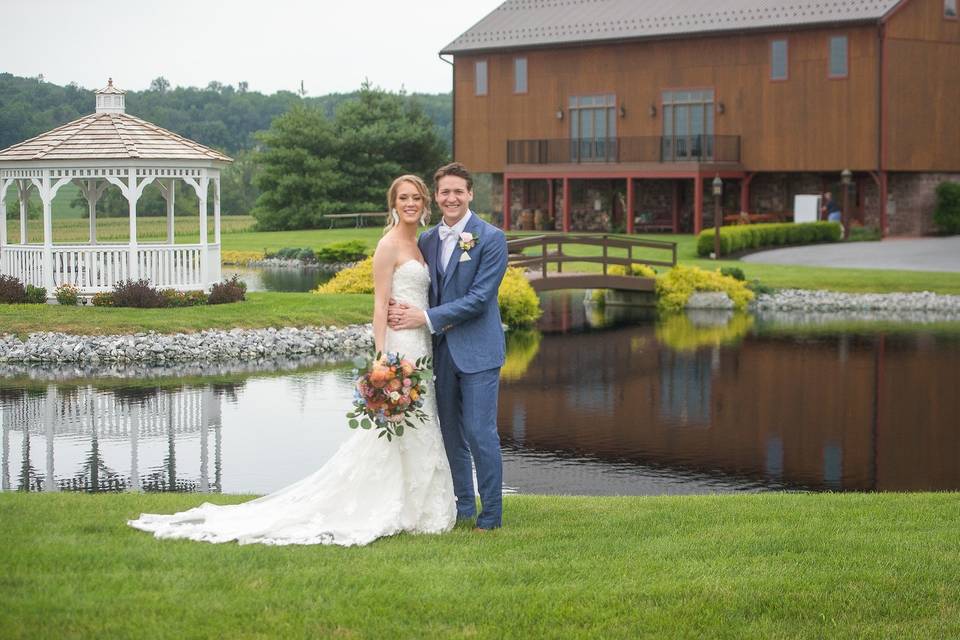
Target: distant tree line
{"x": 223, "y": 117}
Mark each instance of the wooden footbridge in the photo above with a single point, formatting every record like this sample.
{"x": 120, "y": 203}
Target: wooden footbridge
{"x": 545, "y": 268}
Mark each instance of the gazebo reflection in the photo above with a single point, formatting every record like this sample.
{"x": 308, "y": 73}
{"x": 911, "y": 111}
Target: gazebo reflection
{"x": 133, "y": 415}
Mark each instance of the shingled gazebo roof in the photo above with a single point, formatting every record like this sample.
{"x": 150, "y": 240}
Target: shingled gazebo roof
{"x": 110, "y": 136}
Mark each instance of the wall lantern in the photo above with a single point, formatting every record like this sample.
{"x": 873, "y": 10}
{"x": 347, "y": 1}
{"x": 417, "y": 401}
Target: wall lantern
{"x": 623, "y": 111}
{"x": 653, "y": 111}
{"x": 720, "y": 108}
{"x": 560, "y": 114}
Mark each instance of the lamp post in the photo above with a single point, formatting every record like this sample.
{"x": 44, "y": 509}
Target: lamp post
{"x": 717, "y": 192}
{"x": 845, "y": 178}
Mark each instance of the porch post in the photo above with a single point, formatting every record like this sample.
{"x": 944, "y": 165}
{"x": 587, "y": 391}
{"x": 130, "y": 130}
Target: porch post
{"x": 47, "y": 199}
{"x": 204, "y": 256}
{"x": 551, "y": 205}
{"x": 884, "y": 186}
{"x": 676, "y": 206}
{"x": 566, "y": 205}
{"x": 697, "y": 204}
{"x": 134, "y": 249}
{"x": 745, "y": 192}
{"x": 629, "y": 212}
{"x": 506, "y": 204}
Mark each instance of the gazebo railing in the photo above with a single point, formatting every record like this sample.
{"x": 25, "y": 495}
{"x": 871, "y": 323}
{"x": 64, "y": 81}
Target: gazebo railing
{"x": 93, "y": 268}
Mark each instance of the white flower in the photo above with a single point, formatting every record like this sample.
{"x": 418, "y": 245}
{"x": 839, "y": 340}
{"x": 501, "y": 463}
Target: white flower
{"x": 394, "y": 396}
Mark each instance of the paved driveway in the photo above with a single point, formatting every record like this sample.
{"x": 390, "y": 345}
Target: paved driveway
{"x": 910, "y": 254}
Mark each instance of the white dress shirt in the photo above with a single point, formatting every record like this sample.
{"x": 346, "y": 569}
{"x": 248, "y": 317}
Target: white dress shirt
{"x": 446, "y": 250}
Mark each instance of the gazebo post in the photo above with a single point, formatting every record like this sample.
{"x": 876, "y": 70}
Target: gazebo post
{"x": 216, "y": 210}
{"x": 3, "y": 212}
{"x": 23, "y": 195}
{"x": 47, "y": 199}
{"x": 204, "y": 243}
{"x": 131, "y": 194}
{"x": 168, "y": 192}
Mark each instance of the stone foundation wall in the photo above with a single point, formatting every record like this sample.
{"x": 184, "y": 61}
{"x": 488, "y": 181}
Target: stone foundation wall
{"x": 774, "y": 192}
{"x": 911, "y": 199}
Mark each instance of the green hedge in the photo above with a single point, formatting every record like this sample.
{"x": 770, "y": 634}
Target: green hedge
{"x": 754, "y": 236}
{"x": 947, "y": 213}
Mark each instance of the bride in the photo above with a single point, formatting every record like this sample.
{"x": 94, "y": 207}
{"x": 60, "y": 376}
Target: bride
{"x": 370, "y": 488}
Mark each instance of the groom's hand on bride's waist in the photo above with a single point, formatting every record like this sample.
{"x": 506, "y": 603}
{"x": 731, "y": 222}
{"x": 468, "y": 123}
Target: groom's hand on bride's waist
{"x": 404, "y": 316}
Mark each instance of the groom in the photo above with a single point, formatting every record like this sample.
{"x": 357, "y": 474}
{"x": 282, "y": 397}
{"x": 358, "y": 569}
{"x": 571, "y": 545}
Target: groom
{"x": 467, "y": 258}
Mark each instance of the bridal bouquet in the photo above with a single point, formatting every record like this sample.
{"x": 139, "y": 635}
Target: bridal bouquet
{"x": 389, "y": 394}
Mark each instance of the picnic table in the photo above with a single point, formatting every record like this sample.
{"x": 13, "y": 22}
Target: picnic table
{"x": 358, "y": 216}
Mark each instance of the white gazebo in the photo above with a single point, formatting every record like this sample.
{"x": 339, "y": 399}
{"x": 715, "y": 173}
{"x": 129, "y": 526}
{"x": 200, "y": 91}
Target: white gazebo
{"x": 110, "y": 147}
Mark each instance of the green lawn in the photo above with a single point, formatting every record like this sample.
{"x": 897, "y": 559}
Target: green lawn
{"x": 261, "y": 309}
{"x": 748, "y": 566}
{"x": 74, "y": 229}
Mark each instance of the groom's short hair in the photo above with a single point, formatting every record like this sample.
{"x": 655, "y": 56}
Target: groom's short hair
{"x": 453, "y": 169}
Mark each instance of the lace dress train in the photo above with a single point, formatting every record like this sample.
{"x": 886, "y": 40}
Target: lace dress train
{"x": 370, "y": 488}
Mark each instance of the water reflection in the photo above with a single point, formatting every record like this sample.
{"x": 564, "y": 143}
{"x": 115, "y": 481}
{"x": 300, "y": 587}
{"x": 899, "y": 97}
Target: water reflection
{"x": 279, "y": 278}
{"x": 702, "y": 403}
{"x": 821, "y": 411}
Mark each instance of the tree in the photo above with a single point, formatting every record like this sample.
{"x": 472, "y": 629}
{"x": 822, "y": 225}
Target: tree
{"x": 238, "y": 188}
{"x": 380, "y": 136}
{"x": 160, "y": 85}
{"x": 312, "y": 167}
{"x": 299, "y": 176}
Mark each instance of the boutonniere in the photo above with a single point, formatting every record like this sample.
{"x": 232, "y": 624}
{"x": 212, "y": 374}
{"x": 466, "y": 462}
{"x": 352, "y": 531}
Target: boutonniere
{"x": 467, "y": 242}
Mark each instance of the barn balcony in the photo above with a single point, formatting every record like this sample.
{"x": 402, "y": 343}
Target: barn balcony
{"x": 626, "y": 150}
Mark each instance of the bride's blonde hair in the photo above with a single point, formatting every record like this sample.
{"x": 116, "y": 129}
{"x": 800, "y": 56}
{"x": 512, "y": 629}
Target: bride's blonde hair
{"x": 393, "y": 218}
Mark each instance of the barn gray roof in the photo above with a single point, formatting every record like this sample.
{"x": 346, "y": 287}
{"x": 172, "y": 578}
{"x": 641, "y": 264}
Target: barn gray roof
{"x": 538, "y": 23}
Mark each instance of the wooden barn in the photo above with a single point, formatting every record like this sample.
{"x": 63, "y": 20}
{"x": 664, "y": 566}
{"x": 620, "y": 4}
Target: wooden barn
{"x": 617, "y": 115}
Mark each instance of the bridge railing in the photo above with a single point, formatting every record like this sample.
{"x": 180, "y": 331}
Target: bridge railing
{"x": 552, "y": 251}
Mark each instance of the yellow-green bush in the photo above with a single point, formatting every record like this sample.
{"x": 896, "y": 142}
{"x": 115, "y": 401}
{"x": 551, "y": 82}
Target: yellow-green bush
{"x": 676, "y": 286}
{"x": 636, "y": 270}
{"x": 677, "y": 332}
{"x": 355, "y": 279}
{"x": 240, "y": 257}
{"x": 519, "y": 304}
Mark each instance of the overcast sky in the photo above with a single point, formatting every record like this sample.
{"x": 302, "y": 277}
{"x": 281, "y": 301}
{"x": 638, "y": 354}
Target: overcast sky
{"x": 271, "y": 44}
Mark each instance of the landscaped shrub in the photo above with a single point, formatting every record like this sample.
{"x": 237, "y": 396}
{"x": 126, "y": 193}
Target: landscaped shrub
{"x": 306, "y": 255}
{"x": 102, "y": 299}
{"x": 174, "y": 298}
{"x": 752, "y": 236}
{"x": 946, "y": 214}
{"x": 355, "y": 279}
{"x": 231, "y": 290}
{"x": 67, "y": 295}
{"x": 349, "y": 251}
{"x": 139, "y": 294}
{"x": 676, "y": 286}
{"x": 860, "y": 233}
{"x": 519, "y": 304}
{"x": 636, "y": 270}
{"x": 11, "y": 290}
{"x": 734, "y": 272}
{"x": 35, "y": 295}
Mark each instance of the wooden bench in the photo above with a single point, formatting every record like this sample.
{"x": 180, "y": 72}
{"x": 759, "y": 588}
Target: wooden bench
{"x": 357, "y": 216}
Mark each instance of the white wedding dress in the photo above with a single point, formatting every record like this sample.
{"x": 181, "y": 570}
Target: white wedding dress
{"x": 370, "y": 488}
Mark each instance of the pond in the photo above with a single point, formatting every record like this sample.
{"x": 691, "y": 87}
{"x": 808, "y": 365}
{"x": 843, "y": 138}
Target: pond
{"x": 595, "y": 403}
{"x": 278, "y": 278}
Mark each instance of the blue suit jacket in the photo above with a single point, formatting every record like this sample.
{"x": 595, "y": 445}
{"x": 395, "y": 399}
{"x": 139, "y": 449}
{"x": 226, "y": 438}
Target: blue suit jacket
{"x": 463, "y": 302}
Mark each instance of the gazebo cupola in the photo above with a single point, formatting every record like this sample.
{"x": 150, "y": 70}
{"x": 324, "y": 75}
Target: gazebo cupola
{"x": 111, "y": 99}
{"x": 110, "y": 147}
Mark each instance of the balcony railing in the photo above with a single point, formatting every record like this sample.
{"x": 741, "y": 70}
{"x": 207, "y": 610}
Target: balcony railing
{"x": 699, "y": 148}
